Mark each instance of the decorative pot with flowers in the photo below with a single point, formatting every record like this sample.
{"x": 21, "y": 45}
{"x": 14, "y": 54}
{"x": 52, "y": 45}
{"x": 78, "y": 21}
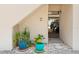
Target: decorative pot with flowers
{"x": 39, "y": 45}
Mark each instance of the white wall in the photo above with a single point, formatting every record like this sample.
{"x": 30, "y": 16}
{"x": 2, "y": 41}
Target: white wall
{"x": 66, "y": 24}
{"x": 35, "y": 25}
{"x": 9, "y": 16}
{"x": 76, "y": 27}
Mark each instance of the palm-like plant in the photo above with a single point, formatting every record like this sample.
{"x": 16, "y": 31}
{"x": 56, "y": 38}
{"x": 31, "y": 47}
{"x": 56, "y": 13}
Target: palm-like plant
{"x": 26, "y": 36}
{"x": 22, "y": 37}
{"x": 16, "y": 39}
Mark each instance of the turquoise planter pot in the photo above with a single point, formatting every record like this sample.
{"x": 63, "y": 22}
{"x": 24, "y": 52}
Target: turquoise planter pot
{"x": 39, "y": 46}
{"x": 22, "y": 44}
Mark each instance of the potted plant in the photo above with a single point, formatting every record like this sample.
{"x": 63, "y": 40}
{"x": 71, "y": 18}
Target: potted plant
{"x": 22, "y": 43}
{"x": 24, "y": 40}
{"x": 38, "y": 43}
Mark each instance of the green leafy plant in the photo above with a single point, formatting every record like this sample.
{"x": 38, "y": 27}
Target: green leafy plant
{"x": 16, "y": 39}
{"x": 39, "y": 45}
{"x": 39, "y": 38}
{"x": 24, "y": 35}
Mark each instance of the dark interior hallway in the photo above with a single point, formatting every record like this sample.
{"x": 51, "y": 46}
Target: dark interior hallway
{"x": 53, "y": 35}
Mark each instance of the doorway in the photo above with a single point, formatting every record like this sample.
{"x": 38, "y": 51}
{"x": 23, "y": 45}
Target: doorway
{"x": 53, "y": 27}
{"x": 57, "y": 26}
{"x": 53, "y": 24}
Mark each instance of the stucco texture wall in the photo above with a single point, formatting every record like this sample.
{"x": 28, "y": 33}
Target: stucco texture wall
{"x": 35, "y": 25}
{"x": 10, "y": 15}
{"x": 66, "y": 24}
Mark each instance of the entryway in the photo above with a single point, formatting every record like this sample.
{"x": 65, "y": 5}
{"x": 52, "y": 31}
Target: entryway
{"x": 53, "y": 22}
{"x": 55, "y": 45}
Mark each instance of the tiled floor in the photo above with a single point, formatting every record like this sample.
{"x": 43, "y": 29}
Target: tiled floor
{"x": 55, "y": 46}
{"x": 30, "y": 50}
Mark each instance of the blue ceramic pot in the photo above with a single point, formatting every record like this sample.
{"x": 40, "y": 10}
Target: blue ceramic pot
{"x": 39, "y": 46}
{"x": 22, "y": 44}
